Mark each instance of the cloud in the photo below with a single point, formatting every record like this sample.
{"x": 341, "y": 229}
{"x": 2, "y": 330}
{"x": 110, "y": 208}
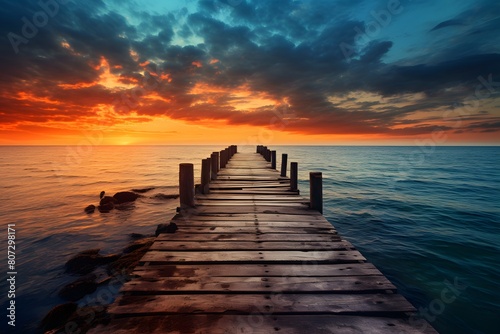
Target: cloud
{"x": 448, "y": 23}
{"x": 97, "y": 61}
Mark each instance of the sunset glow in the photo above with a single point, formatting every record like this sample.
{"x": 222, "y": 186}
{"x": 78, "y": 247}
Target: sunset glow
{"x": 260, "y": 72}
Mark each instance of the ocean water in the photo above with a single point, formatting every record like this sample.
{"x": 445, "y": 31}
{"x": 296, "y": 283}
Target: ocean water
{"x": 428, "y": 218}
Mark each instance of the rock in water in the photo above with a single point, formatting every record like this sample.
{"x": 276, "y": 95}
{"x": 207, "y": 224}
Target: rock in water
{"x": 106, "y": 207}
{"x": 90, "y": 209}
{"x": 143, "y": 190}
{"x": 164, "y": 228}
{"x": 85, "y": 262}
{"x": 107, "y": 199}
{"x": 125, "y": 196}
{"x": 137, "y": 244}
{"x": 79, "y": 288}
{"x": 58, "y": 316}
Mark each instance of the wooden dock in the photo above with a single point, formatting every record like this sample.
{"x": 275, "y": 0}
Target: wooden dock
{"x": 252, "y": 257}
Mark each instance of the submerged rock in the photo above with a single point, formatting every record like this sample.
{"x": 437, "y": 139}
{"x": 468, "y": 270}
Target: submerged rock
{"x": 127, "y": 262}
{"x": 136, "y": 236}
{"x": 137, "y": 245}
{"x": 85, "y": 262}
{"x": 143, "y": 190}
{"x": 107, "y": 199}
{"x": 125, "y": 196}
{"x": 90, "y": 209}
{"x": 105, "y": 208}
{"x": 79, "y": 288}
{"x": 164, "y": 228}
{"x": 58, "y": 316}
{"x": 166, "y": 196}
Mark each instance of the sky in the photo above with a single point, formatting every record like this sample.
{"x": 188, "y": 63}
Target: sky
{"x": 246, "y": 72}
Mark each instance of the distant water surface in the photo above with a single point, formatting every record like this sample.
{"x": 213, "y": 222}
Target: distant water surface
{"x": 427, "y": 218}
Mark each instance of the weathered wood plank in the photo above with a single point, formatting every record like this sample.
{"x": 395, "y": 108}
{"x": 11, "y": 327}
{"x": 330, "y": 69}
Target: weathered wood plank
{"x": 224, "y": 197}
{"x": 181, "y": 285}
{"x": 267, "y": 304}
{"x": 246, "y": 237}
{"x": 263, "y": 270}
{"x": 246, "y": 245}
{"x": 253, "y": 223}
{"x": 257, "y": 323}
{"x": 301, "y": 205}
{"x": 262, "y": 256}
{"x": 230, "y": 209}
{"x": 254, "y": 229}
{"x": 253, "y": 216}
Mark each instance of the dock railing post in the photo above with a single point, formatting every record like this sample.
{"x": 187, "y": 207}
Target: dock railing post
{"x": 316, "y": 191}
{"x": 186, "y": 185}
{"x": 294, "y": 176}
{"x": 215, "y": 164}
{"x": 273, "y": 159}
{"x": 284, "y": 162}
{"x": 222, "y": 159}
{"x": 205, "y": 175}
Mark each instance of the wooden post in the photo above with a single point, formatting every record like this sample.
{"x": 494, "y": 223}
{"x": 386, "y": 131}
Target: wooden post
{"x": 186, "y": 185}
{"x": 222, "y": 156}
{"x": 316, "y": 191}
{"x": 273, "y": 159}
{"x": 294, "y": 176}
{"x": 215, "y": 164}
{"x": 284, "y": 162}
{"x": 205, "y": 175}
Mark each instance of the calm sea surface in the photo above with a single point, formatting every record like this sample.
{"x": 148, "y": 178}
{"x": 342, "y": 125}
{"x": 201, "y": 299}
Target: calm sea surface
{"x": 427, "y": 218}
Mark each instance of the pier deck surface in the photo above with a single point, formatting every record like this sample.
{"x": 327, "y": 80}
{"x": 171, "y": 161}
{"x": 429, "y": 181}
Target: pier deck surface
{"x": 251, "y": 257}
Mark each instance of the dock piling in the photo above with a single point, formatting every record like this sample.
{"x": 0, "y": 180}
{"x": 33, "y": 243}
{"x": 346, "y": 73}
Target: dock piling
{"x": 186, "y": 185}
{"x": 215, "y": 165}
{"x": 316, "y": 191}
{"x": 284, "y": 162}
{"x": 273, "y": 159}
{"x": 205, "y": 175}
{"x": 294, "y": 176}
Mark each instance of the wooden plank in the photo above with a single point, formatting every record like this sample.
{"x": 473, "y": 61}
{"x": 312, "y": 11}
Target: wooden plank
{"x": 231, "y": 210}
{"x": 182, "y": 285}
{"x": 247, "y": 303}
{"x": 261, "y": 217}
{"x": 258, "y": 323}
{"x": 241, "y": 204}
{"x": 249, "y": 245}
{"x": 246, "y": 237}
{"x": 262, "y": 256}
{"x": 243, "y": 223}
{"x": 227, "y": 197}
{"x": 250, "y": 270}
{"x": 254, "y": 229}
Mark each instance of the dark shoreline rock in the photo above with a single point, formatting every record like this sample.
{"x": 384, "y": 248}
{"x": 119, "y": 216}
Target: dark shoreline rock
{"x": 58, "y": 316}
{"x": 143, "y": 190}
{"x": 164, "y": 228}
{"x": 85, "y": 262}
{"x": 89, "y": 209}
{"x": 166, "y": 196}
{"x": 125, "y": 196}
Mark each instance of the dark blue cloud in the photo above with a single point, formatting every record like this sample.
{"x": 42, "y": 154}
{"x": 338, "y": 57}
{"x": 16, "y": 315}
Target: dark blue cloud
{"x": 290, "y": 50}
